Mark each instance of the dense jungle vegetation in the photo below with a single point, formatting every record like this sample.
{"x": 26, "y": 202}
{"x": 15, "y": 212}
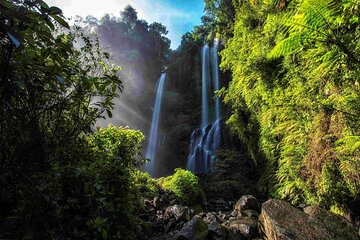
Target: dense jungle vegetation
{"x": 294, "y": 94}
{"x": 291, "y": 94}
{"x": 59, "y": 177}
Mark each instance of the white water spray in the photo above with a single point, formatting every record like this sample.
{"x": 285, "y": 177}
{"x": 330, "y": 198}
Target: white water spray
{"x": 206, "y": 139}
{"x": 153, "y": 140}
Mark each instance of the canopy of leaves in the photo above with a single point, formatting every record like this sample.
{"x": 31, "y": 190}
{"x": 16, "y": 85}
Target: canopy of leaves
{"x": 295, "y": 67}
{"x": 58, "y": 179}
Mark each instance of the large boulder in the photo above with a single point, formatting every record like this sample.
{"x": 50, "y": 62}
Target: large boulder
{"x": 338, "y": 226}
{"x": 281, "y": 220}
{"x": 247, "y": 202}
{"x": 196, "y": 229}
{"x": 217, "y": 231}
{"x": 250, "y": 213}
{"x": 178, "y": 212}
{"x": 248, "y": 227}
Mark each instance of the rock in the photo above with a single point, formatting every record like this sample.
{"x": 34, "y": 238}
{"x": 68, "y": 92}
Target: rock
{"x": 235, "y": 235}
{"x": 174, "y": 201}
{"x": 247, "y": 227}
{"x": 234, "y": 213}
{"x": 158, "y": 227}
{"x": 251, "y": 213}
{"x": 217, "y": 231}
{"x": 209, "y": 218}
{"x": 202, "y": 214}
{"x": 247, "y": 202}
{"x": 232, "y": 219}
{"x": 335, "y": 224}
{"x": 281, "y": 220}
{"x": 178, "y": 212}
{"x": 171, "y": 224}
{"x": 223, "y": 217}
{"x": 196, "y": 229}
{"x": 218, "y": 205}
{"x": 148, "y": 203}
{"x": 156, "y": 202}
{"x": 168, "y": 196}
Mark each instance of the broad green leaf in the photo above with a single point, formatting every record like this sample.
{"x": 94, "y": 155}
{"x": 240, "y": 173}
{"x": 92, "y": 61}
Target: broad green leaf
{"x": 109, "y": 113}
{"x": 61, "y": 21}
{"x": 43, "y": 4}
{"x": 55, "y": 11}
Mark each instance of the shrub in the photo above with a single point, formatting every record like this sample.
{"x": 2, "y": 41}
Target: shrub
{"x": 109, "y": 178}
{"x": 51, "y": 95}
{"x": 147, "y": 185}
{"x": 185, "y": 185}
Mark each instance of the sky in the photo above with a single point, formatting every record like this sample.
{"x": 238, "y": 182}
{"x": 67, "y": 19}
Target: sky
{"x": 179, "y": 16}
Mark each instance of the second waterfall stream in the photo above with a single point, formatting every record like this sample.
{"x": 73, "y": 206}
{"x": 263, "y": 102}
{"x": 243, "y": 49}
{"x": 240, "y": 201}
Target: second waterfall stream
{"x": 207, "y": 139}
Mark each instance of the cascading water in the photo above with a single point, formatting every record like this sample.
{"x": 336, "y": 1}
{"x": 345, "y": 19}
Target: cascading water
{"x": 206, "y": 139}
{"x": 205, "y": 66}
{"x": 153, "y": 140}
{"x": 215, "y": 75}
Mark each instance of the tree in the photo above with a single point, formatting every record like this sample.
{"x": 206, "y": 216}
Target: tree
{"x": 129, "y": 15}
{"x": 295, "y": 69}
{"x": 51, "y": 95}
{"x": 223, "y": 12}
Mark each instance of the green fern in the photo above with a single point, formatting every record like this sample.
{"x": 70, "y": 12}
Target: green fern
{"x": 297, "y": 62}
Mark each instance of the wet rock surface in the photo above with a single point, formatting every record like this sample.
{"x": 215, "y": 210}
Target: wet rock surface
{"x": 167, "y": 219}
{"x": 281, "y": 220}
{"x": 248, "y": 227}
{"x": 195, "y": 229}
{"x": 247, "y": 202}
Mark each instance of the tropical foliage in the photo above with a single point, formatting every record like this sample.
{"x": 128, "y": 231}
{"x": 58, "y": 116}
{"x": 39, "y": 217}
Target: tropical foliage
{"x": 59, "y": 179}
{"x": 294, "y": 95}
{"x": 292, "y": 99}
{"x": 185, "y": 185}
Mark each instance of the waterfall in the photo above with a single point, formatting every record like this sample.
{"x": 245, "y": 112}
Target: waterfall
{"x": 215, "y": 75}
{"x": 205, "y": 66}
{"x": 153, "y": 140}
{"x": 206, "y": 139}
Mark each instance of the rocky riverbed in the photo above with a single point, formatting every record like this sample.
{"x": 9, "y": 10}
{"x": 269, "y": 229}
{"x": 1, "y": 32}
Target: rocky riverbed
{"x": 165, "y": 218}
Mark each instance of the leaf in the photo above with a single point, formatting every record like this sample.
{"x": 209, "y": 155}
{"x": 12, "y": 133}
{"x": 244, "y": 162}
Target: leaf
{"x": 49, "y": 23}
{"x": 354, "y": 19}
{"x": 61, "y": 21}
{"x": 55, "y": 11}
{"x": 66, "y": 47}
{"x": 6, "y": 4}
{"x": 43, "y": 4}
{"x": 109, "y": 113}
{"x": 104, "y": 234}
